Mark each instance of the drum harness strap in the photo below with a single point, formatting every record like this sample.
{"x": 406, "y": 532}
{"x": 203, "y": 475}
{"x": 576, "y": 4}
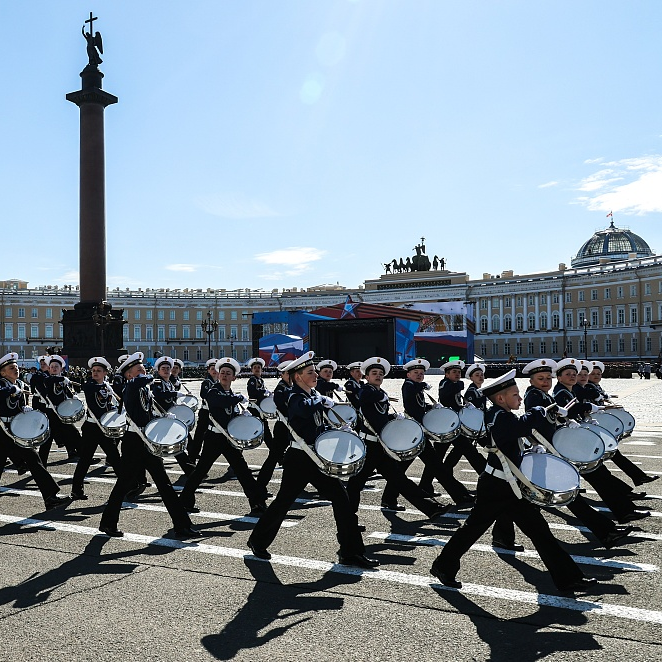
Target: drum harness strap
{"x": 376, "y": 437}
{"x": 510, "y": 473}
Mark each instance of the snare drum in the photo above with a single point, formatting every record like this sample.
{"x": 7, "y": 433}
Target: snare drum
{"x": 344, "y": 411}
{"x": 609, "y": 422}
{"x": 70, "y": 410}
{"x": 610, "y": 442}
{"x": 29, "y": 429}
{"x": 268, "y": 407}
{"x": 580, "y": 446}
{"x": 472, "y": 422}
{"x": 341, "y": 452}
{"x": 165, "y": 436}
{"x": 626, "y": 418}
{"x": 443, "y": 423}
{"x": 245, "y": 432}
{"x": 184, "y": 414}
{"x": 113, "y": 424}
{"x": 557, "y": 479}
{"x": 188, "y": 400}
{"x": 404, "y": 436}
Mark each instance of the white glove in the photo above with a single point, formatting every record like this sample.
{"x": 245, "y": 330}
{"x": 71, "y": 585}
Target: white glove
{"x": 573, "y": 424}
{"x": 426, "y": 386}
{"x": 345, "y": 428}
{"x": 246, "y": 413}
{"x": 328, "y": 402}
{"x": 267, "y": 393}
{"x": 399, "y": 416}
{"x": 595, "y": 408}
{"x": 470, "y": 405}
{"x": 243, "y": 397}
{"x": 437, "y": 405}
{"x": 66, "y": 381}
{"x": 539, "y": 448}
{"x": 318, "y": 399}
{"x": 340, "y": 388}
{"x": 169, "y": 415}
{"x": 15, "y": 390}
{"x": 385, "y": 398}
{"x": 26, "y": 409}
{"x": 562, "y": 412}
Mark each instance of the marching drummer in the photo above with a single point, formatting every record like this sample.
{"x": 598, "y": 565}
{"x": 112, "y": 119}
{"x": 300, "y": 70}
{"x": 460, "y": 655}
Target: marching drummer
{"x": 473, "y": 395}
{"x": 537, "y": 395}
{"x": 354, "y": 383}
{"x": 305, "y": 409}
{"x": 615, "y": 493}
{"x": 13, "y": 401}
{"x": 176, "y": 373}
{"x": 118, "y": 382}
{"x": 36, "y": 384}
{"x": 100, "y": 401}
{"x": 415, "y": 405}
{"x": 55, "y": 389}
{"x": 223, "y": 406}
{"x": 496, "y": 495}
{"x": 375, "y": 406}
{"x": 195, "y": 446}
{"x": 136, "y": 458}
{"x": 325, "y": 386}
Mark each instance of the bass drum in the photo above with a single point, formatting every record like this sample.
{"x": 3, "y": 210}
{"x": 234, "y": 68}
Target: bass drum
{"x": 610, "y": 442}
{"x": 580, "y": 446}
{"x": 113, "y": 424}
{"x": 268, "y": 407}
{"x": 245, "y": 432}
{"x": 557, "y": 479}
{"x": 188, "y": 400}
{"x": 404, "y": 437}
{"x": 165, "y": 436}
{"x": 184, "y": 414}
{"x": 29, "y": 429}
{"x": 626, "y": 418}
{"x": 609, "y": 422}
{"x": 472, "y": 423}
{"x": 345, "y": 411}
{"x": 443, "y": 423}
{"x": 342, "y": 453}
{"x": 70, "y": 410}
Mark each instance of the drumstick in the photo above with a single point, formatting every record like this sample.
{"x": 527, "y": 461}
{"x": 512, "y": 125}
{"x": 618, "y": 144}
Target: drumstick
{"x": 431, "y": 398}
{"x": 338, "y": 416}
{"x": 337, "y": 394}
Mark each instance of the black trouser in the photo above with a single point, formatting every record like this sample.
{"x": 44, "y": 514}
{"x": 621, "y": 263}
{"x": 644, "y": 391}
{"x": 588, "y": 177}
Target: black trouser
{"x": 195, "y": 445}
{"x": 63, "y": 434}
{"x": 28, "y": 456}
{"x": 440, "y": 471}
{"x": 613, "y": 491}
{"x": 629, "y": 468}
{"x": 215, "y": 445}
{"x": 277, "y": 444}
{"x": 298, "y": 471}
{"x": 135, "y": 459}
{"x": 456, "y": 449}
{"x": 91, "y": 439}
{"x": 394, "y": 473}
{"x": 494, "y": 498}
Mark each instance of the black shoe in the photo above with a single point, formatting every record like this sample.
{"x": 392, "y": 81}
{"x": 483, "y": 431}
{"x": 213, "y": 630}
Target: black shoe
{"x": 636, "y": 496}
{"x": 136, "y": 491}
{"x": 580, "y": 584}
{"x": 429, "y": 491}
{"x": 188, "y": 532}
{"x": 192, "y": 509}
{"x": 257, "y": 552}
{"x": 463, "y": 504}
{"x": 615, "y": 538}
{"x": 444, "y": 578}
{"x": 392, "y": 506}
{"x": 258, "y": 510}
{"x": 111, "y": 531}
{"x": 634, "y": 516}
{"x": 512, "y": 546}
{"x": 439, "y": 513}
{"x": 359, "y": 560}
{"x": 73, "y": 458}
{"x": 581, "y": 490}
{"x": 56, "y": 502}
{"x": 647, "y": 479}
{"x": 78, "y": 496}
{"x": 361, "y": 528}
{"x": 21, "y": 468}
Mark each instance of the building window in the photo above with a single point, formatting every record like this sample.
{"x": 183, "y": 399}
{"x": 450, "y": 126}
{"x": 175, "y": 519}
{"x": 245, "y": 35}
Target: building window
{"x": 568, "y": 297}
{"x": 160, "y": 332}
{"x": 198, "y": 315}
{"x": 483, "y": 304}
{"x": 8, "y": 312}
{"x": 594, "y": 318}
{"x": 543, "y": 299}
{"x": 621, "y": 345}
{"x": 136, "y": 314}
{"x": 49, "y": 331}
{"x": 34, "y": 313}
{"x": 568, "y": 320}
{"x": 619, "y": 292}
{"x": 221, "y": 332}
{"x": 125, "y": 333}
{"x": 532, "y": 300}
{"x": 221, "y": 314}
{"x": 594, "y": 346}
{"x": 34, "y": 330}
{"x": 507, "y": 303}
{"x": 581, "y": 295}
{"x": 172, "y": 314}
{"x": 49, "y": 313}
{"x": 244, "y": 333}
{"x": 148, "y": 314}
{"x": 198, "y": 355}
{"x": 555, "y": 347}
{"x": 608, "y": 317}
{"x": 245, "y": 353}
{"x": 607, "y": 346}
{"x": 495, "y": 349}
{"x": 518, "y": 348}
{"x": 633, "y": 290}
{"x": 172, "y": 332}
{"x": 647, "y": 288}
{"x": 483, "y": 350}
{"x": 507, "y": 324}
{"x": 161, "y": 314}
{"x": 496, "y": 327}
{"x": 21, "y": 313}
{"x": 580, "y": 317}
{"x": 530, "y": 348}
{"x": 198, "y": 332}
{"x": 233, "y": 333}
{"x": 556, "y": 320}
{"x": 186, "y": 355}
{"x": 125, "y": 314}
{"x": 519, "y": 324}
{"x": 607, "y": 293}
{"x": 543, "y": 348}
{"x": 519, "y": 302}
{"x": 186, "y": 331}
{"x": 233, "y": 315}
{"x": 532, "y": 322}
{"x": 149, "y": 333}
{"x": 555, "y": 297}
{"x": 594, "y": 295}
{"x": 186, "y": 315}
{"x": 506, "y": 349}
{"x": 633, "y": 316}
{"x": 582, "y": 347}
{"x": 568, "y": 347}
{"x": 648, "y": 314}
{"x": 620, "y": 317}
{"x": 634, "y": 345}
{"x": 21, "y": 331}
{"x": 136, "y": 333}
{"x": 649, "y": 344}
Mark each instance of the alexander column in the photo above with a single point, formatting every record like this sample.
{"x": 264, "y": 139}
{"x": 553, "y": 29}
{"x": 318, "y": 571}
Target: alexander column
{"x": 92, "y": 327}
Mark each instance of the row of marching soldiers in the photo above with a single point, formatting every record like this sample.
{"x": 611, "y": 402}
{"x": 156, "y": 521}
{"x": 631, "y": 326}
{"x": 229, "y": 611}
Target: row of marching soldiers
{"x": 338, "y": 444}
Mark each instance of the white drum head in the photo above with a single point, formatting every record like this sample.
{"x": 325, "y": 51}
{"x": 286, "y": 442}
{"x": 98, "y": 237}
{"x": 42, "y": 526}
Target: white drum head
{"x": 549, "y": 472}
{"x": 245, "y": 428}
{"x": 188, "y": 400}
{"x": 166, "y": 431}
{"x": 472, "y": 419}
{"x": 70, "y": 407}
{"x": 183, "y": 413}
{"x": 402, "y": 434}
{"x": 113, "y": 419}
{"x": 609, "y": 422}
{"x": 346, "y": 412}
{"x": 339, "y": 447}
{"x": 610, "y": 442}
{"x": 626, "y": 418}
{"x": 578, "y": 444}
{"x": 268, "y": 406}
{"x": 29, "y": 425}
{"x": 441, "y": 421}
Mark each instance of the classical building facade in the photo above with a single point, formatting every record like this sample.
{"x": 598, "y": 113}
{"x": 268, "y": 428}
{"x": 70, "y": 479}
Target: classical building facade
{"x": 607, "y": 305}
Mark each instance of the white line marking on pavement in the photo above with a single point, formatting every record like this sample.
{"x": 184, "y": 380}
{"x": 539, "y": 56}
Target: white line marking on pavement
{"x": 421, "y": 581}
{"x": 530, "y": 554}
{"x": 638, "y": 443}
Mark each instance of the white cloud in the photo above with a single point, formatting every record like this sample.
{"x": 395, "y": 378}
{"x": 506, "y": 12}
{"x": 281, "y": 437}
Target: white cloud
{"x": 69, "y": 278}
{"x": 600, "y": 159}
{"x": 181, "y": 267}
{"x": 548, "y": 185}
{"x": 296, "y": 260}
{"x": 235, "y": 206}
{"x": 631, "y": 186}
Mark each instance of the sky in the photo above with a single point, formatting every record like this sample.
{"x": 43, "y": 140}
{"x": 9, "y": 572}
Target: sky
{"x": 293, "y": 143}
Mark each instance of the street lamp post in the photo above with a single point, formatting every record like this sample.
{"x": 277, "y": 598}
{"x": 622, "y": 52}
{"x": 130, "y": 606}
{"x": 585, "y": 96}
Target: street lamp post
{"x": 586, "y": 324}
{"x": 233, "y": 337}
{"x": 209, "y": 326}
